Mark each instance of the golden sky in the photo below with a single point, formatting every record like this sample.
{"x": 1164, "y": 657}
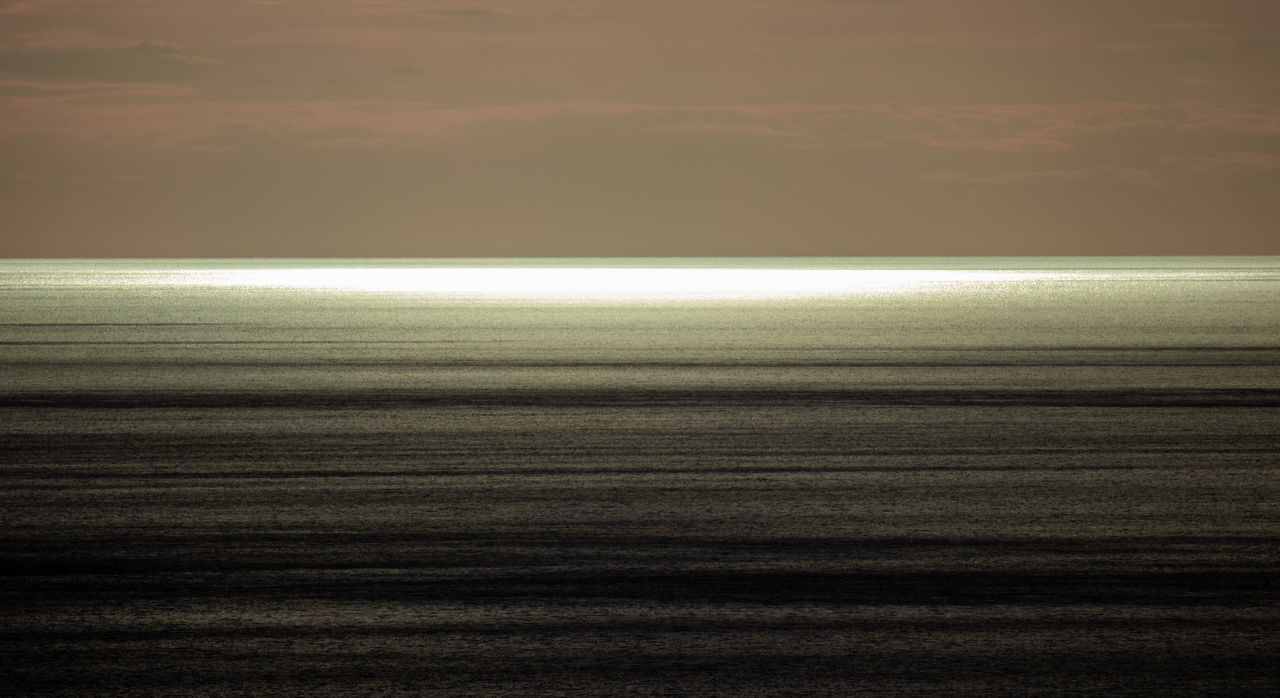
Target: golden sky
{"x": 161, "y": 128}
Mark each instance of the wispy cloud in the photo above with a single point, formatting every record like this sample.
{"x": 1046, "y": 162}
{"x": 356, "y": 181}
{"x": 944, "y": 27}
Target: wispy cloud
{"x": 1127, "y": 174}
{"x": 26, "y": 7}
{"x": 68, "y": 39}
{"x": 1009, "y": 144}
{"x": 172, "y": 115}
{"x": 80, "y": 91}
{"x": 141, "y": 61}
{"x": 1228, "y": 162}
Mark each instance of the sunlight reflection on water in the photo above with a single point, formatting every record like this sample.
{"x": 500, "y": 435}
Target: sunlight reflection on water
{"x": 645, "y": 279}
{"x": 598, "y": 283}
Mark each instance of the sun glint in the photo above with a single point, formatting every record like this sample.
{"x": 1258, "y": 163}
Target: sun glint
{"x": 592, "y": 283}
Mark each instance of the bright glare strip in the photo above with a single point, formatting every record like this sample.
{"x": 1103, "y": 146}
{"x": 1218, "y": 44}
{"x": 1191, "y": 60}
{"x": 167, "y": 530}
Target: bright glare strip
{"x": 594, "y": 283}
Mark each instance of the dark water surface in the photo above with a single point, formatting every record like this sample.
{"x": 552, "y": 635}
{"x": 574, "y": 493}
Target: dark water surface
{"x": 988, "y": 476}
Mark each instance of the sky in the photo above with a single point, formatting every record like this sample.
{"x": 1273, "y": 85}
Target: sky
{"x": 398, "y": 128}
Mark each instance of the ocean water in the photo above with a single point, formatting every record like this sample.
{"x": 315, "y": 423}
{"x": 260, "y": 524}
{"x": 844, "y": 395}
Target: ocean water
{"x": 692, "y": 476}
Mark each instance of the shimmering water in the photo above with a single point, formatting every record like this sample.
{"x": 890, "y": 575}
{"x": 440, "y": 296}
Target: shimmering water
{"x": 550, "y": 476}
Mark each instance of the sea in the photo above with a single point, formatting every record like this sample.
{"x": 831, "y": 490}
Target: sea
{"x": 755, "y": 476}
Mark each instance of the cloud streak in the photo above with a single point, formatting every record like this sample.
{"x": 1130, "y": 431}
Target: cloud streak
{"x": 174, "y": 116}
{"x": 1126, "y": 174}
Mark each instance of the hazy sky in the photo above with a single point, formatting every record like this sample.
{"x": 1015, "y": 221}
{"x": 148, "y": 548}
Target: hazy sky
{"x": 638, "y": 127}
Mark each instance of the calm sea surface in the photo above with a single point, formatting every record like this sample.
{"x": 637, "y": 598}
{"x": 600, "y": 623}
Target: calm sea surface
{"x": 598, "y": 476}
